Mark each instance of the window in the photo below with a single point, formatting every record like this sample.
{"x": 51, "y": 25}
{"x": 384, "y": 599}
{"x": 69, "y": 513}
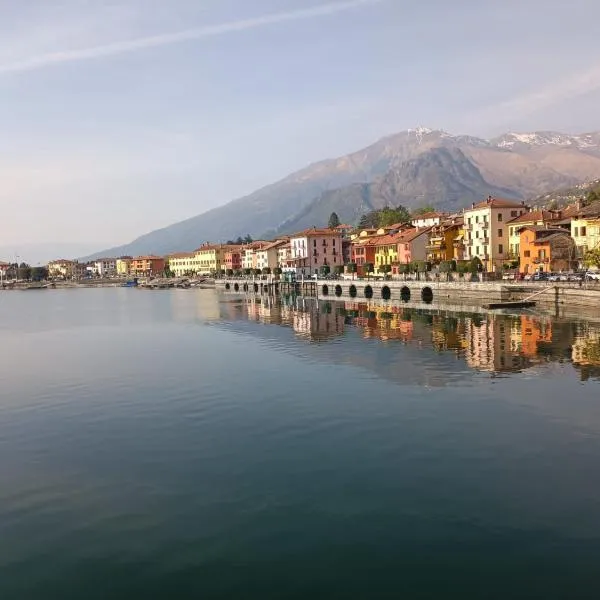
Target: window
{"x": 527, "y": 253}
{"x": 500, "y": 249}
{"x": 477, "y": 219}
{"x": 576, "y": 234}
{"x": 477, "y": 234}
{"x": 476, "y": 249}
{"x": 469, "y": 220}
{"x": 334, "y": 241}
{"x": 499, "y": 217}
{"x": 499, "y": 232}
{"x": 513, "y": 213}
{"x": 314, "y": 243}
{"x": 582, "y": 231}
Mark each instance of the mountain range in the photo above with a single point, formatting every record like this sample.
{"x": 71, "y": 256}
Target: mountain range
{"x": 414, "y": 168}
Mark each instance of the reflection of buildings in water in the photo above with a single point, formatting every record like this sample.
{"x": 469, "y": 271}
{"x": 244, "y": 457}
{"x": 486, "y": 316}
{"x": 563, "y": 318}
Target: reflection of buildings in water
{"x": 489, "y": 345}
{"x": 527, "y": 333}
{"x": 190, "y": 305}
{"x": 586, "y": 350}
{"x": 381, "y": 322}
{"x": 317, "y": 325}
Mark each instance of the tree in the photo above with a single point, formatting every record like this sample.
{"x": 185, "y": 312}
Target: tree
{"x": 247, "y": 272}
{"x": 592, "y": 258}
{"x": 352, "y": 268}
{"x": 248, "y": 239}
{"x": 369, "y": 268}
{"x": 257, "y": 272}
{"x": 334, "y": 220}
{"x": 39, "y": 273}
{"x": 229, "y": 272}
{"x": 325, "y": 270}
{"x": 338, "y": 269}
{"x": 167, "y": 272}
{"x": 266, "y": 271}
{"x": 423, "y": 210}
{"x": 277, "y": 271}
{"x": 24, "y": 271}
{"x": 385, "y": 269}
{"x": 390, "y": 216}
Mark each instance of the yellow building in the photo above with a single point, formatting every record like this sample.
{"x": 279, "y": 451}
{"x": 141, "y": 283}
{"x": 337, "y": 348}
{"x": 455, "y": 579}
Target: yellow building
{"x": 123, "y": 265}
{"x": 585, "y": 231}
{"x": 61, "y": 268}
{"x": 183, "y": 264}
{"x": 210, "y": 258}
{"x": 446, "y": 240}
{"x": 386, "y": 251}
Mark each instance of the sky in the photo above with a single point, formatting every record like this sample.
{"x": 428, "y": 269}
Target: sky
{"x": 121, "y": 116}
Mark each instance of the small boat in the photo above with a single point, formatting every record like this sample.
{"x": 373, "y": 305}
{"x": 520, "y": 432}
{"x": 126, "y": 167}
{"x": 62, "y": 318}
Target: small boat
{"x": 510, "y": 304}
{"x": 130, "y": 283}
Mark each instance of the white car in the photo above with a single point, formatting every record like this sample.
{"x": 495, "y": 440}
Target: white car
{"x": 593, "y": 275}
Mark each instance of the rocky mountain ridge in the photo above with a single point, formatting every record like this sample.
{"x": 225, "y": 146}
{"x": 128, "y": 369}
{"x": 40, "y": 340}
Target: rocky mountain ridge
{"x": 415, "y": 167}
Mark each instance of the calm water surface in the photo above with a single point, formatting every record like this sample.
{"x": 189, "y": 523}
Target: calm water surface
{"x": 182, "y": 444}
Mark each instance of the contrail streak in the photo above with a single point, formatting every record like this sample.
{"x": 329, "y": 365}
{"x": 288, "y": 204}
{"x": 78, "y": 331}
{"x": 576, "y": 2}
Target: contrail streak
{"x": 166, "y": 39}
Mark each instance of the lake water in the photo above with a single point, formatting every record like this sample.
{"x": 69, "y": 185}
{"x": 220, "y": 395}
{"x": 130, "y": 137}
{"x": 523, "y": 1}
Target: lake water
{"x": 183, "y": 444}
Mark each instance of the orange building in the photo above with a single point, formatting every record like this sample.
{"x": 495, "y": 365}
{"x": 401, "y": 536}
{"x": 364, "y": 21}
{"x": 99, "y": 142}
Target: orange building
{"x": 546, "y": 249}
{"x": 147, "y": 265}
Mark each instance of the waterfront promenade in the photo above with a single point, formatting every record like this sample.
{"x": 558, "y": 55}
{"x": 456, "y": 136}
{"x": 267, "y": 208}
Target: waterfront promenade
{"x": 585, "y": 295}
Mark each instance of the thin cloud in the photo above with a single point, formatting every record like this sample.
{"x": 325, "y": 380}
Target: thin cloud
{"x": 573, "y": 86}
{"x": 57, "y": 58}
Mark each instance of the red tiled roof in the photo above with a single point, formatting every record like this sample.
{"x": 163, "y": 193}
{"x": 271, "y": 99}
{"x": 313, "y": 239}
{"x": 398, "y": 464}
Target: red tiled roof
{"x": 315, "y": 231}
{"x": 498, "y": 203}
{"x": 537, "y": 215}
{"x": 429, "y": 215}
{"x": 412, "y": 234}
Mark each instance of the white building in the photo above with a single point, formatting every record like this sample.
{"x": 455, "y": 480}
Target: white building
{"x": 487, "y": 233}
{"x": 105, "y": 267}
{"x": 431, "y": 219}
{"x": 267, "y": 256}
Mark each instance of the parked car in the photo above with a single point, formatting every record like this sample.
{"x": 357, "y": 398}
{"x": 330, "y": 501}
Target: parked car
{"x": 540, "y": 276}
{"x": 592, "y": 276}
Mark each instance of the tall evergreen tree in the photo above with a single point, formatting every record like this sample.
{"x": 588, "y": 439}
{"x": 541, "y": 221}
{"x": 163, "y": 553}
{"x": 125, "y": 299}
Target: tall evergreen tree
{"x": 334, "y": 220}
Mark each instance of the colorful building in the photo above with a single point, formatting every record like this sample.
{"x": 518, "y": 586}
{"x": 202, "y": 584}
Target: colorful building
{"x": 61, "y": 268}
{"x": 536, "y": 218}
{"x": 267, "y": 256}
{"x": 412, "y": 246}
{"x": 546, "y": 249}
{"x": 386, "y": 252}
{"x": 146, "y": 266}
{"x": 584, "y": 227}
{"x": 183, "y": 264}
{"x": 314, "y": 248}
{"x": 446, "y": 240}
{"x": 487, "y": 233}
{"x": 123, "y": 265}
{"x": 232, "y": 258}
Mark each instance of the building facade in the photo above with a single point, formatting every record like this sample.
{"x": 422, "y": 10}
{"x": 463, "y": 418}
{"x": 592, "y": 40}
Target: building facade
{"x": 123, "y": 265}
{"x": 487, "y": 233}
{"x": 105, "y": 267}
{"x": 315, "y": 248}
{"x": 183, "y": 264}
{"x": 147, "y": 266}
{"x": 545, "y": 249}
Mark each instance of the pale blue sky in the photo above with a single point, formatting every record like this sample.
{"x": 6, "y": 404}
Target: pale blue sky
{"x": 120, "y": 116}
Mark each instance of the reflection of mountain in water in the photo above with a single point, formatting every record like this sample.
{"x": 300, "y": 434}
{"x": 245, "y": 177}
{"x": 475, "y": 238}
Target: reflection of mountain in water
{"x": 435, "y": 346}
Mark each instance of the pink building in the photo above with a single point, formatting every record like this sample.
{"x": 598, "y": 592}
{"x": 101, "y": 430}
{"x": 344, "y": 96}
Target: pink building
{"x": 314, "y": 248}
{"x": 412, "y": 246}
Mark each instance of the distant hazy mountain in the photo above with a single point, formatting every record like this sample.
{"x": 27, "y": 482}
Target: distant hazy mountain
{"x": 35, "y": 254}
{"x": 413, "y": 168}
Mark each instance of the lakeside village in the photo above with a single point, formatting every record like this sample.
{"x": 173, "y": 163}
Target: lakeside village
{"x": 495, "y": 238}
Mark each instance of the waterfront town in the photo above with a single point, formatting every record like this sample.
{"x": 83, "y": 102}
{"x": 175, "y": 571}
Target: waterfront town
{"x": 497, "y": 236}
